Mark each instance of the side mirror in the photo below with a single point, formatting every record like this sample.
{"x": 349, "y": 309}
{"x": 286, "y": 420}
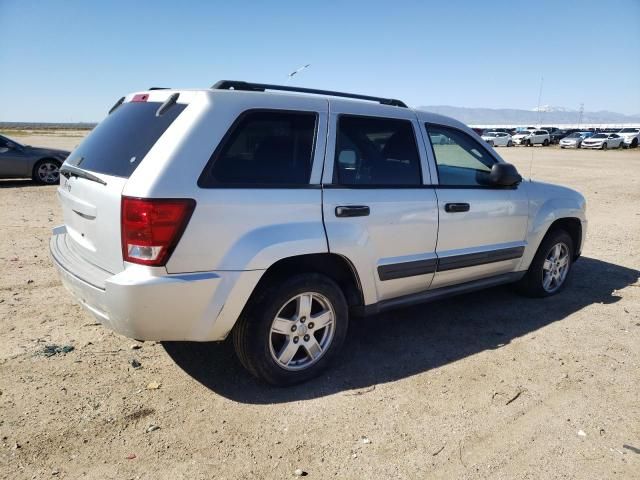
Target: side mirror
{"x": 504, "y": 175}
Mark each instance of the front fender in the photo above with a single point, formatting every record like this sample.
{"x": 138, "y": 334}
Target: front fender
{"x": 547, "y": 204}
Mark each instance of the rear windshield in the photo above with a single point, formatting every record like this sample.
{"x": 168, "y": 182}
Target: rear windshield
{"x": 120, "y": 142}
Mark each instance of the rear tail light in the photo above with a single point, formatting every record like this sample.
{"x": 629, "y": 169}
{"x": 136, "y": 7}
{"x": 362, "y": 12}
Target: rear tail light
{"x": 151, "y": 228}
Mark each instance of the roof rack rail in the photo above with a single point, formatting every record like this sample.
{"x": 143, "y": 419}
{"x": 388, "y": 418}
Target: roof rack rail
{"x": 261, "y": 87}
{"x": 159, "y": 88}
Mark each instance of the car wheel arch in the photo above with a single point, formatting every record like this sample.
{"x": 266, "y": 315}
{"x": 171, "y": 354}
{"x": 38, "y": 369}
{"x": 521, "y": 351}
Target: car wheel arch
{"x": 337, "y": 267}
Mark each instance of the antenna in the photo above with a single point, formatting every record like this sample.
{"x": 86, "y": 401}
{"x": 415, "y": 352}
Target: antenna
{"x": 539, "y": 99}
{"x": 539, "y": 120}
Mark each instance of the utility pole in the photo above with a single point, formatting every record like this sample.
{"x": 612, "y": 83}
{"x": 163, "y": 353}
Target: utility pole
{"x": 580, "y": 112}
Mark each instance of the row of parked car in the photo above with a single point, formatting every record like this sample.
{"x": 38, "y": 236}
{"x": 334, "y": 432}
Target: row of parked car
{"x": 567, "y": 138}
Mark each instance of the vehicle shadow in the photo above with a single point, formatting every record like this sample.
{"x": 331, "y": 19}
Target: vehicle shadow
{"x": 23, "y": 182}
{"x": 405, "y": 342}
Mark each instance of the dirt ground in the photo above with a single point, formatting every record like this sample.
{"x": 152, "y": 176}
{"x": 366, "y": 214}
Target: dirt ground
{"x": 486, "y": 385}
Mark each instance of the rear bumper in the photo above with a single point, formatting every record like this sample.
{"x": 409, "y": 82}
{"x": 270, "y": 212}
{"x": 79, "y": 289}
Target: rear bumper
{"x": 148, "y": 304}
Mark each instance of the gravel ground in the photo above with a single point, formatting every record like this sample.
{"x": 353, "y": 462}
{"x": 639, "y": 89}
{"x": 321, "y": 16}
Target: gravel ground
{"x": 485, "y": 385}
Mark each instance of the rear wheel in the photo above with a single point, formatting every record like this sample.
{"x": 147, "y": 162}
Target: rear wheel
{"x": 545, "y": 143}
{"x": 550, "y": 267}
{"x": 46, "y": 172}
{"x": 510, "y": 144}
{"x": 291, "y": 331}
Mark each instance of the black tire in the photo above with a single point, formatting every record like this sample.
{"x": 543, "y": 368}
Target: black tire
{"x": 634, "y": 143}
{"x": 545, "y": 143}
{"x": 604, "y": 146}
{"x": 510, "y": 144}
{"x": 531, "y": 284}
{"x": 52, "y": 178}
{"x": 253, "y": 338}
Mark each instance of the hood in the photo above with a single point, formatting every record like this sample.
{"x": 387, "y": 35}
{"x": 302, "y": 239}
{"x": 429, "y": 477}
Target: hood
{"x": 522, "y": 134}
{"x": 559, "y": 191}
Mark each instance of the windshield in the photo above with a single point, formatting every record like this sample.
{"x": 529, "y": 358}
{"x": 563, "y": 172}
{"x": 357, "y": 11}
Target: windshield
{"x": 600, "y": 135}
{"x": 120, "y": 142}
{"x": 574, "y": 135}
{"x": 6, "y": 140}
{"x": 630, "y": 130}
{"x": 490, "y": 134}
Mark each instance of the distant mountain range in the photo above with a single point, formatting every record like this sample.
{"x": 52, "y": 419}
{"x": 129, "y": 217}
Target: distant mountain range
{"x": 548, "y": 115}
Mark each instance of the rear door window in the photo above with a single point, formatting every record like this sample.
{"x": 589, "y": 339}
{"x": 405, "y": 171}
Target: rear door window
{"x": 120, "y": 142}
{"x": 264, "y": 148}
{"x": 376, "y": 151}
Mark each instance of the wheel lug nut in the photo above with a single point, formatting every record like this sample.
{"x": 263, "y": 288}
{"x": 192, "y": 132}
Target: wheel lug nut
{"x": 306, "y": 338}
{"x": 302, "y": 320}
{"x": 296, "y": 339}
{"x": 294, "y": 328}
{"x": 310, "y": 324}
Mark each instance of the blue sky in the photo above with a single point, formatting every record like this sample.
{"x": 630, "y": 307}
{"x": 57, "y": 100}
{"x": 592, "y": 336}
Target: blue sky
{"x": 71, "y": 60}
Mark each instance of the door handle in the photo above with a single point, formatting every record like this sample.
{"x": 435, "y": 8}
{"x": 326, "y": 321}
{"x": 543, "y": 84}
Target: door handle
{"x": 352, "y": 211}
{"x": 456, "y": 207}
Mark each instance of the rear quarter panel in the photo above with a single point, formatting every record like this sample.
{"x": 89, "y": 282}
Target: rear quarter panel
{"x": 232, "y": 228}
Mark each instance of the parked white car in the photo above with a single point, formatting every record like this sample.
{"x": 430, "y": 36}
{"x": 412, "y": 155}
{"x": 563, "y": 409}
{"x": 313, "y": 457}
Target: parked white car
{"x": 271, "y": 217}
{"x": 498, "y": 139}
{"x": 531, "y": 138}
{"x": 603, "y": 141}
{"x": 574, "y": 140}
{"x": 630, "y": 136}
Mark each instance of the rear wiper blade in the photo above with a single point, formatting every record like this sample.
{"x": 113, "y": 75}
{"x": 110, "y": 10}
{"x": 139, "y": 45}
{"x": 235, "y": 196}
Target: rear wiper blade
{"x": 70, "y": 170}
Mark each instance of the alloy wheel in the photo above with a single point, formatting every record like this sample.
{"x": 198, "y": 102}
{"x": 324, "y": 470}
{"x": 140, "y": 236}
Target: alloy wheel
{"x": 302, "y": 331}
{"x": 48, "y": 172}
{"x": 555, "y": 267}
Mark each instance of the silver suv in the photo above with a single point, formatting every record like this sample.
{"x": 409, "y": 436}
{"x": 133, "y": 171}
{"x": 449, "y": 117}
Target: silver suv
{"x": 274, "y": 216}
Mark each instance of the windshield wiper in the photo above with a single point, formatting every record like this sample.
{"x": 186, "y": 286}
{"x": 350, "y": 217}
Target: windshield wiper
{"x": 70, "y": 170}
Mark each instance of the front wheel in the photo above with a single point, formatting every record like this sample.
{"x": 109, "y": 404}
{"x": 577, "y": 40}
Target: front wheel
{"x": 550, "y": 267}
{"x": 292, "y": 330}
{"x": 46, "y": 172}
{"x": 604, "y": 146}
{"x": 510, "y": 144}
